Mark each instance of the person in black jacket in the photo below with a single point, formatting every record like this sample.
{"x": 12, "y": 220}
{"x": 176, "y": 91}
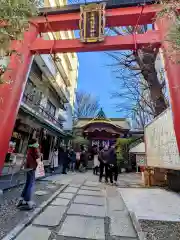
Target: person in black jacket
{"x": 112, "y": 165}
{"x": 103, "y": 159}
{"x": 63, "y": 159}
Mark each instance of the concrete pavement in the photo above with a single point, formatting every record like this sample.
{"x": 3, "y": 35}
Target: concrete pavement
{"x": 152, "y": 204}
{"x": 86, "y": 209}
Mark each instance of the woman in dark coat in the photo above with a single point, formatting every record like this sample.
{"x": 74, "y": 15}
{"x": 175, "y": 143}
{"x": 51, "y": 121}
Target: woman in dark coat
{"x": 63, "y": 159}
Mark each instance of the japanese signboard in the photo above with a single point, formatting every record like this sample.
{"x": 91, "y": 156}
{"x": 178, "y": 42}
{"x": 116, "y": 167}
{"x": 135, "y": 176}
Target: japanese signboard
{"x": 92, "y": 22}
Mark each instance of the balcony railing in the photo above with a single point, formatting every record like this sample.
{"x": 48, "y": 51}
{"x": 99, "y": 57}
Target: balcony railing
{"x": 44, "y": 113}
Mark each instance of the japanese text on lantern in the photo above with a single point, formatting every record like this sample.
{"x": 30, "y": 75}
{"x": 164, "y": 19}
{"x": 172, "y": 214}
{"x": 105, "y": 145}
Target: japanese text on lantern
{"x": 92, "y": 23}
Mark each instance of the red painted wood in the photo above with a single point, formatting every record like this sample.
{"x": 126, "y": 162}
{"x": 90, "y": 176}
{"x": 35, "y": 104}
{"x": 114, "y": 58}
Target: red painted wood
{"x": 172, "y": 68}
{"x": 10, "y": 93}
{"x": 114, "y": 17}
{"x": 110, "y": 43}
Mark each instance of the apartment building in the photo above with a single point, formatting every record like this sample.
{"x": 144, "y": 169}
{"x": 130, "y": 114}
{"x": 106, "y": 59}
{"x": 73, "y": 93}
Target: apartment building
{"x": 48, "y": 99}
{"x": 67, "y": 61}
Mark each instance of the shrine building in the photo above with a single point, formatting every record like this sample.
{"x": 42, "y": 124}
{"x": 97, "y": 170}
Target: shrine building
{"x": 102, "y": 130}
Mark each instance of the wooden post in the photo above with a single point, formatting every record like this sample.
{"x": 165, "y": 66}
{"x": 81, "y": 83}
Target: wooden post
{"x": 11, "y": 92}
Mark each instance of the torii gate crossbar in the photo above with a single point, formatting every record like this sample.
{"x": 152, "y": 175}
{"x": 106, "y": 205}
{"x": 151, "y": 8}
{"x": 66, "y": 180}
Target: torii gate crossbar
{"x": 16, "y": 75}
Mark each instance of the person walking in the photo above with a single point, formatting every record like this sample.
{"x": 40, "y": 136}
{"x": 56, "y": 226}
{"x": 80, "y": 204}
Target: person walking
{"x": 72, "y": 160}
{"x": 103, "y": 158}
{"x": 63, "y": 159}
{"x": 112, "y": 165}
{"x": 96, "y": 164}
{"x": 33, "y": 158}
{"x": 54, "y": 159}
{"x": 95, "y": 160}
{"x": 68, "y": 157}
{"x": 82, "y": 166}
{"x": 78, "y": 154}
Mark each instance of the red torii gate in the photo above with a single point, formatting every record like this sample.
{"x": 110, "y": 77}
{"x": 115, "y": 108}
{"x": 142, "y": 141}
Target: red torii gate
{"x": 11, "y": 93}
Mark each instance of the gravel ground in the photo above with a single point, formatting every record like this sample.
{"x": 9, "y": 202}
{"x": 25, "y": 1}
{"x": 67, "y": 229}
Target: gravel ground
{"x": 160, "y": 230}
{"x": 10, "y": 216}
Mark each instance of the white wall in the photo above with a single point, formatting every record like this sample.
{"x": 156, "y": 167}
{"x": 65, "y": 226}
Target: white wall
{"x": 69, "y": 121}
{"x": 49, "y": 63}
{"x": 161, "y": 145}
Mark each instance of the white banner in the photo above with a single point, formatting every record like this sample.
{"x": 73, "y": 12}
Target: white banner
{"x": 161, "y": 145}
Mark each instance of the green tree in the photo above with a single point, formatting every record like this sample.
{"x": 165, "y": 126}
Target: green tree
{"x": 14, "y": 21}
{"x": 170, "y": 10}
{"x": 78, "y": 141}
{"x": 122, "y": 150}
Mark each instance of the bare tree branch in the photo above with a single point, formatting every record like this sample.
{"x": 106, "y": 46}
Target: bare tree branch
{"x": 86, "y": 105}
{"x": 140, "y": 89}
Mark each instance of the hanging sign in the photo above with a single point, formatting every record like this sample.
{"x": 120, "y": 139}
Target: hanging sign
{"x": 92, "y": 22}
{"x": 140, "y": 159}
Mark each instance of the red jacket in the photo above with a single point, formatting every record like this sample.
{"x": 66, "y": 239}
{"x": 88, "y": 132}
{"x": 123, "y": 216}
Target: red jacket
{"x": 32, "y": 155}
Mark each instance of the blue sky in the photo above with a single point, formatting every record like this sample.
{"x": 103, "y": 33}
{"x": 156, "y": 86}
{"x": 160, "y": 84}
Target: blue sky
{"x": 97, "y": 78}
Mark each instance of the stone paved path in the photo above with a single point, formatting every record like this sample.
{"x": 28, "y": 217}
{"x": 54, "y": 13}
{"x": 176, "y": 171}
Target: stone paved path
{"x": 84, "y": 210}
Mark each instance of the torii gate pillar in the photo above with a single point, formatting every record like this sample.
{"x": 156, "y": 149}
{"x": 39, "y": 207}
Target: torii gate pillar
{"x": 11, "y": 92}
{"x": 172, "y": 68}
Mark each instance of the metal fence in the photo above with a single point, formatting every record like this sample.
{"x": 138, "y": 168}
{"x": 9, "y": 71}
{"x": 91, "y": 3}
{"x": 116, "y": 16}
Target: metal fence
{"x": 42, "y": 110}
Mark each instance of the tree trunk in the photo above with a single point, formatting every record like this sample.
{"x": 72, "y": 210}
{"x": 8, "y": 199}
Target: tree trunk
{"x": 146, "y": 59}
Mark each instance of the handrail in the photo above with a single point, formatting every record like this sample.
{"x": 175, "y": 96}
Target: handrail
{"x": 41, "y": 109}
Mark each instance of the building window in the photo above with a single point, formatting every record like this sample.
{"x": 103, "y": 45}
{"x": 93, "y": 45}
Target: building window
{"x": 31, "y": 94}
{"x": 51, "y": 109}
{"x": 36, "y": 70}
{"x": 30, "y": 89}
